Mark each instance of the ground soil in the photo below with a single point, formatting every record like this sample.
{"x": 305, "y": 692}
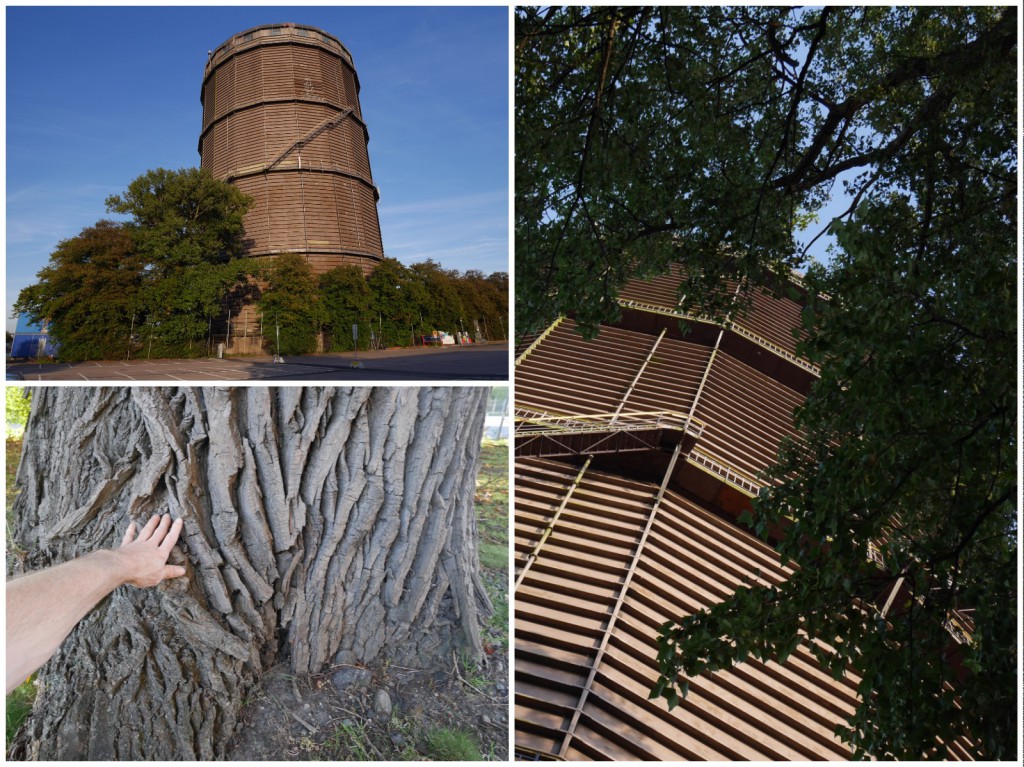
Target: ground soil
{"x": 292, "y": 718}
{"x": 336, "y": 715}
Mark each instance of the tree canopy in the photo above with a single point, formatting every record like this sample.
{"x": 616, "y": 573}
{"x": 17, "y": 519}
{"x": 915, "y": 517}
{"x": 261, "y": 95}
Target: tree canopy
{"x": 160, "y": 276}
{"x": 158, "y": 281}
{"x": 183, "y": 218}
{"x": 346, "y": 301}
{"x": 646, "y": 136}
{"x": 89, "y": 291}
{"x": 291, "y": 312}
{"x": 708, "y": 137}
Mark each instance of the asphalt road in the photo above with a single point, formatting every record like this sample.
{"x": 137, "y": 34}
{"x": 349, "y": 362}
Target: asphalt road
{"x": 448, "y": 363}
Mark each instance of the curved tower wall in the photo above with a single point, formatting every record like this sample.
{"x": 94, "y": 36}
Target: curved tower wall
{"x": 281, "y": 121}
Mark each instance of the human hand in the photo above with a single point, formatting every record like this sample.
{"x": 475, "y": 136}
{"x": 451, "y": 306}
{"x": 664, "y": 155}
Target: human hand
{"x": 143, "y": 561}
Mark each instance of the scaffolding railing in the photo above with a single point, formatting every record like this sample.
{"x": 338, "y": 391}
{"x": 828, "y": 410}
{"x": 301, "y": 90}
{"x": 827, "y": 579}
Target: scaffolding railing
{"x": 748, "y": 484}
{"x": 541, "y": 433}
{"x": 536, "y": 341}
{"x": 735, "y": 325}
{"x": 530, "y": 421}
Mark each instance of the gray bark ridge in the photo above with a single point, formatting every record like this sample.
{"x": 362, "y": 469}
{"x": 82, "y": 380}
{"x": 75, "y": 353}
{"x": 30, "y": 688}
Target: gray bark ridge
{"x": 322, "y": 525}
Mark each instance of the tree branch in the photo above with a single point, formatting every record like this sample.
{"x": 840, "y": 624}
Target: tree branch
{"x": 999, "y": 41}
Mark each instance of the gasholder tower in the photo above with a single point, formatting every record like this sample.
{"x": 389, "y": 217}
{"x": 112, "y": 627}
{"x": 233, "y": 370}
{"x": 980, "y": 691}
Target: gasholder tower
{"x": 282, "y": 122}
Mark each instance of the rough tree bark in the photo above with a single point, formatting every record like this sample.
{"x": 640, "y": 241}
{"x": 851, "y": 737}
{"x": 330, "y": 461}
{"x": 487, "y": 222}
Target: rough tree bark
{"x": 321, "y": 526}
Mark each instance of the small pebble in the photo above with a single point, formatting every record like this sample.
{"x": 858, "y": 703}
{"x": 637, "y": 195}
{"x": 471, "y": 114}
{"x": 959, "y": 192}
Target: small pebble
{"x": 382, "y": 703}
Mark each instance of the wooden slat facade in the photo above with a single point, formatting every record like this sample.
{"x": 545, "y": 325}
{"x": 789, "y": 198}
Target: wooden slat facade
{"x": 282, "y": 121}
{"x": 603, "y": 559}
{"x": 585, "y": 660}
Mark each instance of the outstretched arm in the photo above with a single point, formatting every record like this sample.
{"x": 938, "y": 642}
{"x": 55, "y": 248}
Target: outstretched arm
{"x": 43, "y": 607}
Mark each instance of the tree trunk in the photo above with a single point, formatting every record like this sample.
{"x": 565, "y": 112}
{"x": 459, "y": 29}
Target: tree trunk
{"x": 322, "y": 526}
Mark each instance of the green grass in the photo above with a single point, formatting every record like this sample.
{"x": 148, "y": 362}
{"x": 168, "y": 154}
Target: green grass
{"x": 13, "y": 459}
{"x": 494, "y": 556}
{"x": 444, "y": 745}
{"x": 356, "y": 742}
{"x": 492, "y": 523}
{"x": 349, "y": 742}
{"x": 499, "y": 620}
{"x": 492, "y": 495}
{"x": 19, "y": 705}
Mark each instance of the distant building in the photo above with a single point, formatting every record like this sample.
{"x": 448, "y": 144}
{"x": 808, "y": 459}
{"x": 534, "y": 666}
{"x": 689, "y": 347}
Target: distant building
{"x": 31, "y": 341}
{"x": 497, "y": 422}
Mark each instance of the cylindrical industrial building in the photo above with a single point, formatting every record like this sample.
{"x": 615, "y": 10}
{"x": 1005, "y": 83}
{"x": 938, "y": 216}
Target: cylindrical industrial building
{"x": 281, "y": 121}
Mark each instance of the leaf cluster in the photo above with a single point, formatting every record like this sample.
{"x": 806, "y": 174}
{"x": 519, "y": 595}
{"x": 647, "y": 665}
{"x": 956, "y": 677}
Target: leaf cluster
{"x": 163, "y": 272}
{"x": 899, "y": 504}
{"x": 706, "y": 136}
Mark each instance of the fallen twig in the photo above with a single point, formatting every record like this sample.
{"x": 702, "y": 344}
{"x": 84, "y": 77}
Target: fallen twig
{"x": 455, "y": 662}
{"x": 312, "y": 730}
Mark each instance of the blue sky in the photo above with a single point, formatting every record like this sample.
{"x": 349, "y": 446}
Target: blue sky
{"x": 98, "y": 96}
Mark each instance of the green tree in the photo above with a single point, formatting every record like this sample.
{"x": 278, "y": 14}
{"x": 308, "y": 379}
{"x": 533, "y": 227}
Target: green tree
{"x": 345, "y": 298}
{"x": 16, "y": 402}
{"x": 706, "y": 137}
{"x": 442, "y": 303}
{"x": 183, "y": 218}
{"x": 292, "y": 313}
{"x": 485, "y": 302}
{"x": 899, "y": 506}
{"x": 186, "y": 227}
{"x": 398, "y": 299}
{"x": 646, "y": 136}
{"x": 89, "y": 293}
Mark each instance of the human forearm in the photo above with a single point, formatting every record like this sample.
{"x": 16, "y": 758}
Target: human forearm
{"x": 43, "y": 607}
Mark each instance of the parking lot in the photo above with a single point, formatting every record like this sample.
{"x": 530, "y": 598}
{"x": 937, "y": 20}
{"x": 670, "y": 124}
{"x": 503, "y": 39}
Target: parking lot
{"x": 447, "y": 363}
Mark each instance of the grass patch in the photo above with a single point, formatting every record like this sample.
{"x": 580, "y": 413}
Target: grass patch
{"x": 13, "y": 459}
{"x": 492, "y": 523}
{"x": 494, "y": 556}
{"x": 19, "y": 706}
{"x": 499, "y": 620}
{"x": 444, "y": 745}
{"x": 349, "y": 742}
{"x": 404, "y": 741}
{"x": 492, "y": 495}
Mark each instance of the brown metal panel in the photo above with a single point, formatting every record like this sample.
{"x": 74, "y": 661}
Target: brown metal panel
{"x": 605, "y": 559}
{"x": 692, "y": 558}
{"x": 747, "y": 413}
